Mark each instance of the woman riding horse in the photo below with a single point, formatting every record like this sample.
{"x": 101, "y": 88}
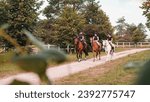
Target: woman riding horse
{"x": 81, "y": 46}
{"x": 109, "y": 47}
{"x": 96, "y": 46}
{"x": 110, "y": 40}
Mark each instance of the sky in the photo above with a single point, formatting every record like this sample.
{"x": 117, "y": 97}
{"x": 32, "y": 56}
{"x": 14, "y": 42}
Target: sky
{"x": 127, "y": 8}
{"x": 115, "y": 9}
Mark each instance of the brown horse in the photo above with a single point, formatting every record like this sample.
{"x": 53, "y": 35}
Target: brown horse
{"x": 96, "y": 50}
{"x": 79, "y": 48}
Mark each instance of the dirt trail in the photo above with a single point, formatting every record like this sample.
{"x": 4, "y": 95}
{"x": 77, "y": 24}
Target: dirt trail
{"x": 68, "y": 69}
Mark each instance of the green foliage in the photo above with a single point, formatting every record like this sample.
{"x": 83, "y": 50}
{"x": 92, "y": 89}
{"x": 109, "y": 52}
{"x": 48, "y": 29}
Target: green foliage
{"x": 19, "y": 14}
{"x": 144, "y": 77}
{"x": 53, "y": 55}
{"x": 137, "y": 33}
{"x": 18, "y": 82}
{"x": 67, "y": 25}
{"x": 144, "y": 74}
{"x": 146, "y": 12}
{"x": 130, "y": 32}
{"x": 35, "y": 63}
{"x": 67, "y": 18}
{"x": 121, "y": 27}
{"x": 134, "y": 64}
{"x": 96, "y": 20}
{"x": 53, "y": 9}
{"x": 3, "y": 12}
{"x": 34, "y": 40}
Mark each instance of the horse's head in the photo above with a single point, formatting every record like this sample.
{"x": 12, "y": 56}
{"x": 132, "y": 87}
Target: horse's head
{"x": 104, "y": 43}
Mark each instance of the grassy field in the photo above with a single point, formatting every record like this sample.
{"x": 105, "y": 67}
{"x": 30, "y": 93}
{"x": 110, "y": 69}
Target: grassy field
{"x": 111, "y": 73}
{"x": 72, "y": 57}
{"x": 7, "y": 68}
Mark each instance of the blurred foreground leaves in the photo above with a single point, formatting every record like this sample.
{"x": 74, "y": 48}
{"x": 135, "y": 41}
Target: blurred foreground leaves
{"x": 144, "y": 74}
{"x": 37, "y": 63}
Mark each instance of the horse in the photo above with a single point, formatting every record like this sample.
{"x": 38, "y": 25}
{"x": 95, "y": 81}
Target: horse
{"x": 79, "y": 48}
{"x": 108, "y": 49}
{"x": 96, "y": 49}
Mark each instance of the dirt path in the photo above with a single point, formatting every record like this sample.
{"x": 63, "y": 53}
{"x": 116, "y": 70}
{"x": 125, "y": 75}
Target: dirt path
{"x": 68, "y": 69}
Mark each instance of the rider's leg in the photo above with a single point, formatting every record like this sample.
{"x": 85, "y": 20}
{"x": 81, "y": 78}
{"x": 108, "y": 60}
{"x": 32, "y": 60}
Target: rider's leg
{"x": 98, "y": 43}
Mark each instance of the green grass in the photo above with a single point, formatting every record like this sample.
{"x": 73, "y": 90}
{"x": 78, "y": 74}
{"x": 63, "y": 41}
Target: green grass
{"x": 72, "y": 57}
{"x": 111, "y": 73}
{"x": 7, "y": 68}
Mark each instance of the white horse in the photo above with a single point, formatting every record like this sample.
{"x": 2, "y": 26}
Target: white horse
{"x": 108, "y": 49}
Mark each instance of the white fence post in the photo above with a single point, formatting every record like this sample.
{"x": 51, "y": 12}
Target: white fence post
{"x": 131, "y": 44}
{"x": 123, "y": 44}
{"x": 141, "y": 44}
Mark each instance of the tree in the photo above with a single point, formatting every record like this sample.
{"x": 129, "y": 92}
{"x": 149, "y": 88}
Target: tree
{"x": 3, "y": 12}
{"x": 78, "y": 15}
{"x": 135, "y": 33}
{"x": 96, "y": 20}
{"x": 139, "y": 34}
{"x": 75, "y": 4}
{"x": 129, "y": 32}
{"x": 59, "y": 12}
{"x": 53, "y": 9}
{"x": 146, "y": 11}
{"x": 121, "y": 27}
{"x": 73, "y": 24}
{"x": 20, "y": 14}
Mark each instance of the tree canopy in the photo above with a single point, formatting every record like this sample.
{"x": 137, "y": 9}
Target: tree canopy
{"x": 129, "y": 32}
{"x": 146, "y": 11}
{"x": 69, "y": 17}
{"x": 19, "y": 14}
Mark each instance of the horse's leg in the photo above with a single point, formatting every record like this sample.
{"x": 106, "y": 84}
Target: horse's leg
{"x": 99, "y": 54}
{"x": 80, "y": 56}
{"x": 107, "y": 57}
{"x": 85, "y": 54}
{"x": 96, "y": 54}
{"x": 93, "y": 56}
{"x": 77, "y": 55}
{"x": 111, "y": 55}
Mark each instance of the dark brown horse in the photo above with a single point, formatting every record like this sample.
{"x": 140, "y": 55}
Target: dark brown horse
{"x": 96, "y": 49}
{"x": 79, "y": 48}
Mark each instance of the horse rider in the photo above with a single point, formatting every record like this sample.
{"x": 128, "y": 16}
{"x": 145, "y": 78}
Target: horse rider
{"x": 110, "y": 40}
{"x": 96, "y": 39}
{"x": 82, "y": 39}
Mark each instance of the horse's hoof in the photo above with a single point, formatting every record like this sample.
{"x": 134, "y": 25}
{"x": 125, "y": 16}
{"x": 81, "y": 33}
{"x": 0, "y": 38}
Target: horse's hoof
{"x": 79, "y": 60}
